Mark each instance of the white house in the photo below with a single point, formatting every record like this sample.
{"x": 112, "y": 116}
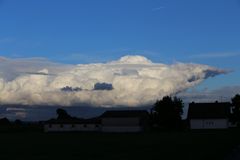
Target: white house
{"x": 72, "y": 125}
{"x": 124, "y": 121}
{"x": 209, "y": 115}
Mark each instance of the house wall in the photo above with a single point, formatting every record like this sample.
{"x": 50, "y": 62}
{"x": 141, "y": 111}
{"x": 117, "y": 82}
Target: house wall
{"x": 70, "y": 127}
{"x": 208, "y": 123}
{"x": 131, "y": 124}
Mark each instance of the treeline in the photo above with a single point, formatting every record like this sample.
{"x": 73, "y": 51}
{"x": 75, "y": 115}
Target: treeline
{"x": 166, "y": 114}
{"x": 18, "y": 125}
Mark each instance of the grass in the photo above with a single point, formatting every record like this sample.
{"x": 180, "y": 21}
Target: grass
{"x": 192, "y": 145}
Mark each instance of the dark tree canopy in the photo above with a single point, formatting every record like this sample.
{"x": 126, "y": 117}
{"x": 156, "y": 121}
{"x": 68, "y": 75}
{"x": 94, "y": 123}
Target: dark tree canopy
{"x": 236, "y": 101}
{"x": 62, "y": 114}
{"x": 236, "y": 109}
{"x": 167, "y": 112}
{"x": 4, "y": 121}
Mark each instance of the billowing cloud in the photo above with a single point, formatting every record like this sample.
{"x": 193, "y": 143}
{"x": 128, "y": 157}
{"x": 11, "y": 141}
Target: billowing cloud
{"x": 129, "y": 81}
{"x": 12, "y": 68}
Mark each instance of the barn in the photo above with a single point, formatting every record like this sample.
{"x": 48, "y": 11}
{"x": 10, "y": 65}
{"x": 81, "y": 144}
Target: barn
{"x": 209, "y": 115}
{"x": 124, "y": 121}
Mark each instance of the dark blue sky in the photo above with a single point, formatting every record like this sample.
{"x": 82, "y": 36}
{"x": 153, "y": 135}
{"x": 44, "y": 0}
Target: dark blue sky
{"x": 86, "y": 31}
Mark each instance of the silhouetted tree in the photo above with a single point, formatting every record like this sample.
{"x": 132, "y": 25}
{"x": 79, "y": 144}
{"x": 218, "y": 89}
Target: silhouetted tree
{"x": 62, "y": 114}
{"x": 4, "y": 121}
{"x": 167, "y": 112}
{"x": 235, "y": 118}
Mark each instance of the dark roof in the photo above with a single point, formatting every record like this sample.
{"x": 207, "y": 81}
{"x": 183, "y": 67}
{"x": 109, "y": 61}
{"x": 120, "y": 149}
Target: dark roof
{"x": 95, "y": 120}
{"x": 209, "y": 110}
{"x": 125, "y": 113}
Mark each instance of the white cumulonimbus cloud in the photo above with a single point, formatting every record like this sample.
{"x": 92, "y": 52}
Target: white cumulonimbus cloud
{"x": 129, "y": 81}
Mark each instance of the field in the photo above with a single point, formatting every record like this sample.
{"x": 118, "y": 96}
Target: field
{"x": 197, "y": 145}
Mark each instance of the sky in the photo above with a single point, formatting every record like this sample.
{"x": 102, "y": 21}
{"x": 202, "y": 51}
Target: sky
{"x": 57, "y": 33}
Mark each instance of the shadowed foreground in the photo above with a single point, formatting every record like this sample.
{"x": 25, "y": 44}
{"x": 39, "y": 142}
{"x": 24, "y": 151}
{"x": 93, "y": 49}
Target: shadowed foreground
{"x": 196, "y": 145}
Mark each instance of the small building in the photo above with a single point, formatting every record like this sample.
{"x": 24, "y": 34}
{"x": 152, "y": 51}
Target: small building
{"x": 209, "y": 115}
{"x": 72, "y": 125}
{"x": 124, "y": 120}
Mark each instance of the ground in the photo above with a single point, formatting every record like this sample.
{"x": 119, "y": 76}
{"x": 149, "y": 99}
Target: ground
{"x": 188, "y": 145}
